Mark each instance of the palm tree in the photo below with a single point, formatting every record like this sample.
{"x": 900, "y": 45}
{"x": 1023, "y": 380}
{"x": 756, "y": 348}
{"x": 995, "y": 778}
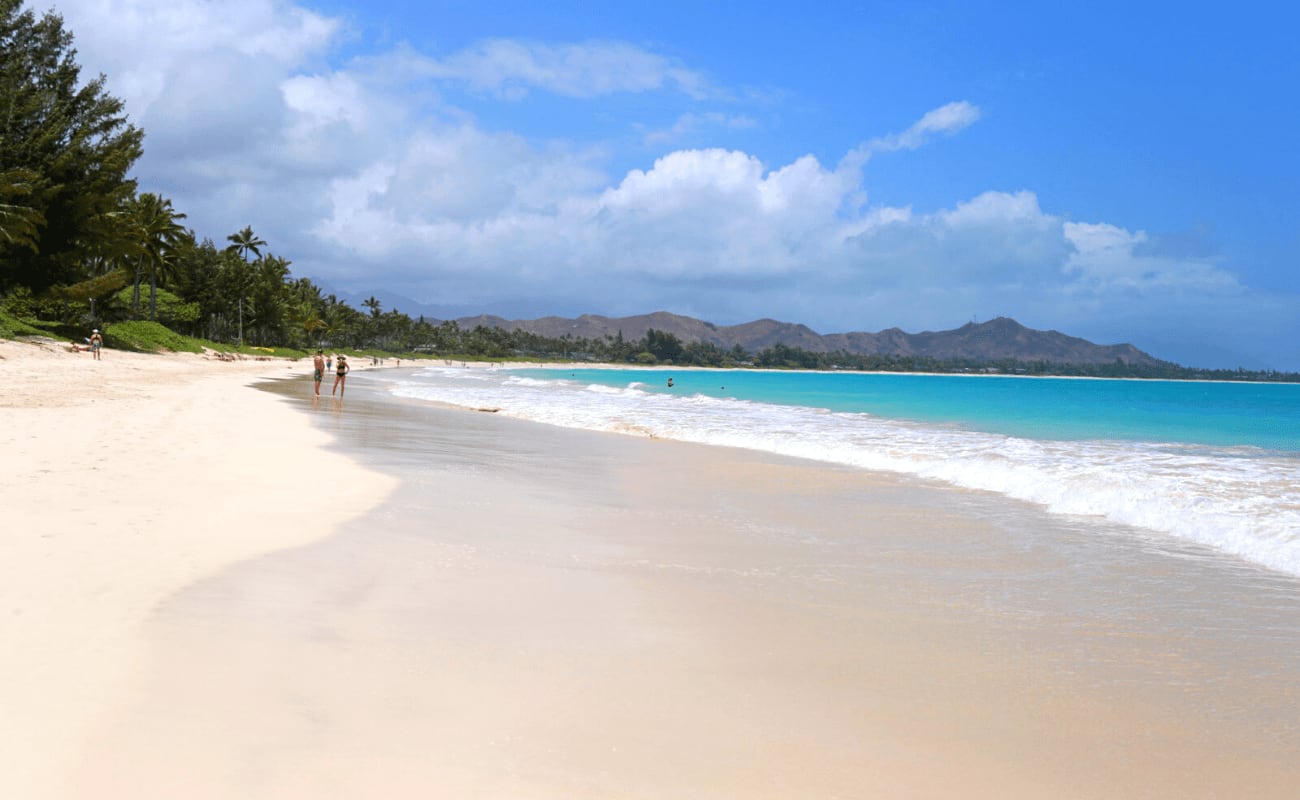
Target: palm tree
{"x": 157, "y": 233}
{"x": 305, "y": 306}
{"x": 336, "y": 321}
{"x": 306, "y": 316}
{"x": 269, "y": 296}
{"x": 245, "y": 242}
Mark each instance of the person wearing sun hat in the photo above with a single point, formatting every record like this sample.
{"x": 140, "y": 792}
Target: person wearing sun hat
{"x": 96, "y": 342}
{"x": 341, "y": 370}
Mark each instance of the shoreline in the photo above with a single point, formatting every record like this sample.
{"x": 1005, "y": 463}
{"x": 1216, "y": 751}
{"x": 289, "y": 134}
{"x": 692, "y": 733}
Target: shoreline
{"x": 689, "y": 368}
{"x": 1192, "y": 466}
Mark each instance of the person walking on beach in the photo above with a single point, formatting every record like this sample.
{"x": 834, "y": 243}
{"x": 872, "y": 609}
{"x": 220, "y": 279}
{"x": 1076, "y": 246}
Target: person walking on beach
{"x": 318, "y": 366}
{"x": 96, "y": 342}
{"x": 340, "y": 376}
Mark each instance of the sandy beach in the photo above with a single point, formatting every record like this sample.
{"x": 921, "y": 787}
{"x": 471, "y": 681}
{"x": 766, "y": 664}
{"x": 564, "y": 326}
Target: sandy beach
{"x": 217, "y": 591}
{"x": 125, "y": 480}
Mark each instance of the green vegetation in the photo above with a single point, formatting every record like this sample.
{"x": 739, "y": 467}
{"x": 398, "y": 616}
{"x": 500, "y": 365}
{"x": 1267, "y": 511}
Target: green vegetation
{"x": 12, "y": 327}
{"x": 65, "y": 150}
{"x": 782, "y": 357}
{"x": 148, "y": 337}
{"x": 81, "y": 249}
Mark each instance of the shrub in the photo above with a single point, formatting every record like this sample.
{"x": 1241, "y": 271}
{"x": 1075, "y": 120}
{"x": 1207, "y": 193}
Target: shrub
{"x": 148, "y": 337}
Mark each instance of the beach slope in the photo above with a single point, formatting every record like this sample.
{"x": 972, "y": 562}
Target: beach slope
{"x": 122, "y": 481}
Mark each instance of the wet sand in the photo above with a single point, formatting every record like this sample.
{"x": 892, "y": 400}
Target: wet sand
{"x": 547, "y": 613}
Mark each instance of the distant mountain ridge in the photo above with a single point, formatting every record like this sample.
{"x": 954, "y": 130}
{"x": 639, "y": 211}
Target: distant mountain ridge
{"x": 997, "y": 339}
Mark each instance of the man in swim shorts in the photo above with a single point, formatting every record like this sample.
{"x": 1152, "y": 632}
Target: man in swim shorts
{"x": 96, "y": 342}
{"x": 318, "y": 364}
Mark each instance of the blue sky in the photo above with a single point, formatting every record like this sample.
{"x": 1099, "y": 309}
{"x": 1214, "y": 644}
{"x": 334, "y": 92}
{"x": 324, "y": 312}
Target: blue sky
{"x": 1117, "y": 171}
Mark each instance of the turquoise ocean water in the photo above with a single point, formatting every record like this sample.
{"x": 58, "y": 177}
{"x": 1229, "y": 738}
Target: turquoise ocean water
{"x": 1215, "y": 464}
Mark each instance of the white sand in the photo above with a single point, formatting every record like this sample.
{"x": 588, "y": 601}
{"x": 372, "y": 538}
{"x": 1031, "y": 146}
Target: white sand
{"x": 122, "y": 481}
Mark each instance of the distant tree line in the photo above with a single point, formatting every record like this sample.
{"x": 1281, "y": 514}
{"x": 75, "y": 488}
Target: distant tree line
{"x": 80, "y": 247}
{"x": 662, "y": 348}
{"x": 780, "y": 356}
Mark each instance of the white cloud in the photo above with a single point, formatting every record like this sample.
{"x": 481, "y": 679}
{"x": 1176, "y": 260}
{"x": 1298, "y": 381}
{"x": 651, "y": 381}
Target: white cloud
{"x": 1107, "y": 257}
{"x": 143, "y": 44}
{"x": 583, "y": 70}
{"x": 992, "y": 208}
{"x": 321, "y": 100}
{"x": 700, "y": 214}
{"x": 945, "y": 120}
{"x": 691, "y": 123}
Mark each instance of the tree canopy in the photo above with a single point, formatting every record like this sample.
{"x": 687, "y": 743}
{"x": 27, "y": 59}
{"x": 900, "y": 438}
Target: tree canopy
{"x": 65, "y": 150}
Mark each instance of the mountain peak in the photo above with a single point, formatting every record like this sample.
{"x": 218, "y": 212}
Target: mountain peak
{"x": 996, "y": 339}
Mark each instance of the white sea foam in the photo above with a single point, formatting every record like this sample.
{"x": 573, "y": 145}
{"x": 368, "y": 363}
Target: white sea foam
{"x": 1240, "y": 501}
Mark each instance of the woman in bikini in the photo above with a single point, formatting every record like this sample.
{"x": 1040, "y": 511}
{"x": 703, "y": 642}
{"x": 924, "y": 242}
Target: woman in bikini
{"x": 340, "y": 376}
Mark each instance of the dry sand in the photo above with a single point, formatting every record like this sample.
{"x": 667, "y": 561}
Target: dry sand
{"x": 122, "y": 481}
{"x": 539, "y": 614}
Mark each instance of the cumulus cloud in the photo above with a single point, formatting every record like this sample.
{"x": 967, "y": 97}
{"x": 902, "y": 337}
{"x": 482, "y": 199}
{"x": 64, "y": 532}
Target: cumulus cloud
{"x": 1107, "y": 257}
{"x": 457, "y": 199}
{"x": 143, "y": 44}
{"x": 997, "y": 239}
{"x": 722, "y": 209}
